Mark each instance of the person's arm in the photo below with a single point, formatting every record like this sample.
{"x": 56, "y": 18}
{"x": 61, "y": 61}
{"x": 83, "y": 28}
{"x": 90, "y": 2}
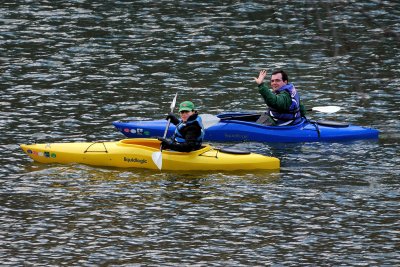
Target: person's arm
{"x": 191, "y": 134}
{"x": 303, "y": 110}
{"x": 280, "y": 101}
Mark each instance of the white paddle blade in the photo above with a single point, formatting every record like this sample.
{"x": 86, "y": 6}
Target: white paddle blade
{"x": 173, "y": 103}
{"x": 327, "y": 109}
{"x": 209, "y": 120}
{"x": 157, "y": 159}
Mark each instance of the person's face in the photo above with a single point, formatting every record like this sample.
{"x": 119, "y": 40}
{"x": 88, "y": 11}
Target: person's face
{"x": 277, "y": 82}
{"x": 185, "y": 114}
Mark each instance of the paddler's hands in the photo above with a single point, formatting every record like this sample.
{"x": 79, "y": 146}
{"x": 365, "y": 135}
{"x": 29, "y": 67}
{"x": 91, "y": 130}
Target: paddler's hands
{"x": 165, "y": 144}
{"x": 172, "y": 118}
{"x": 261, "y": 77}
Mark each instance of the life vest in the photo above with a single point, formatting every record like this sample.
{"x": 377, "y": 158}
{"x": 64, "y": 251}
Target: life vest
{"x": 292, "y": 116}
{"x": 194, "y": 119}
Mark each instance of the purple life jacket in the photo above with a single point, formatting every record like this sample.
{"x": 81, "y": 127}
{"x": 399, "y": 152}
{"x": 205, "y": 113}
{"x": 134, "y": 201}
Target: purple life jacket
{"x": 292, "y": 116}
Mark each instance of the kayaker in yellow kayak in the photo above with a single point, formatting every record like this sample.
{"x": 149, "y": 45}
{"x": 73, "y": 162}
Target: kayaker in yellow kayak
{"x": 284, "y": 107}
{"x": 189, "y": 131}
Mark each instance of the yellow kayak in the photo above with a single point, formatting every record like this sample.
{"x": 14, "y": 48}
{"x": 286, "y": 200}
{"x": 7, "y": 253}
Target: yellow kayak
{"x": 137, "y": 153}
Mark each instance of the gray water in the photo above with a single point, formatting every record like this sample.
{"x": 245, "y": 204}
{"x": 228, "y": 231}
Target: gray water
{"x": 70, "y": 68}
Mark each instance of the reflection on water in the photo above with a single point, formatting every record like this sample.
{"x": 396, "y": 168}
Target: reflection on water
{"x": 69, "y": 69}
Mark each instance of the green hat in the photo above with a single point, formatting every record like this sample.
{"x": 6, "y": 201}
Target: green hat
{"x": 186, "y": 105}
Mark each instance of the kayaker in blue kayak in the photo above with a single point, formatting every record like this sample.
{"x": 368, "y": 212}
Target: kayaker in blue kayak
{"x": 189, "y": 131}
{"x": 284, "y": 107}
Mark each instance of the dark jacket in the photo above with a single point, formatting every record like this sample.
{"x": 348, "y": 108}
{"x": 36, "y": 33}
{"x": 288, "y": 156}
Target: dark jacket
{"x": 188, "y": 136}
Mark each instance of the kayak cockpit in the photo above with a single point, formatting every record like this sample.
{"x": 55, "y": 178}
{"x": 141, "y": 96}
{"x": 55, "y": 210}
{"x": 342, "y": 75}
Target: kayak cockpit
{"x": 154, "y": 144}
{"x": 146, "y": 142}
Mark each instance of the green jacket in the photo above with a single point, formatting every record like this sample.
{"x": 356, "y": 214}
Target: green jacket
{"x": 280, "y": 101}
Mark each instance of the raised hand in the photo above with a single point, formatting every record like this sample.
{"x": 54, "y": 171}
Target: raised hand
{"x": 261, "y": 77}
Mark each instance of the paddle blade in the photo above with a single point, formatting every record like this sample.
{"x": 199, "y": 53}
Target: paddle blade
{"x": 157, "y": 159}
{"x": 326, "y": 109}
{"x": 173, "y": 103}
{"x": 209, "y": 120}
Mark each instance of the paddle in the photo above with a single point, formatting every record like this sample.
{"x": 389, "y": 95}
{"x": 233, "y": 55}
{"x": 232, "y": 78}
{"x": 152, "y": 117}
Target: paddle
{"x": 157, "y": 156}
{"x": 325, "y": 109}
{"x": 210, "y": 120}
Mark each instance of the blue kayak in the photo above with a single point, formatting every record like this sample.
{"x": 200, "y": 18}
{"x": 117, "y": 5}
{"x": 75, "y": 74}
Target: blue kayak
{"x": 238, "y": 127}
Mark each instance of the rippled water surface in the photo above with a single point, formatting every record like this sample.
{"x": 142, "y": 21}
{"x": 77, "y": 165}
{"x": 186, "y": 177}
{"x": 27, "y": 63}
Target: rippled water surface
{"x": 68, "y": 69}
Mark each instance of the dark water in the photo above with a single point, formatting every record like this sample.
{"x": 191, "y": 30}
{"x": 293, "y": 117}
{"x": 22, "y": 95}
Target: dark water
{"x": 68, "y": 69}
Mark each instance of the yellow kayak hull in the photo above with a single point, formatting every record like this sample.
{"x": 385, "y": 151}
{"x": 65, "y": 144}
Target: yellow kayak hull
{"x": 137, "y": 153}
